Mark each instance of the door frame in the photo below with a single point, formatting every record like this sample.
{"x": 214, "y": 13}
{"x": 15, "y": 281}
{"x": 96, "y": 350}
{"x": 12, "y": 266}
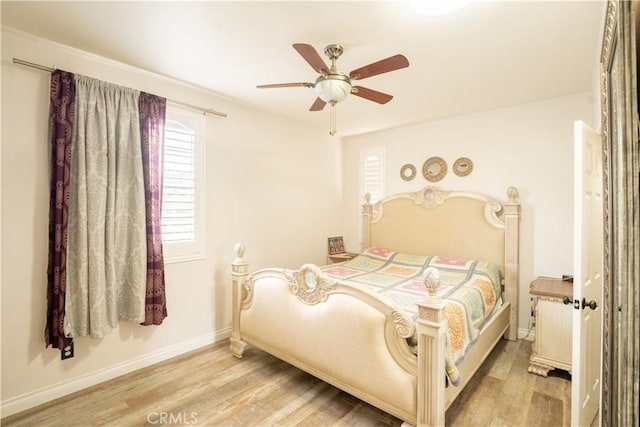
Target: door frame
{"x": 619, "y": 112}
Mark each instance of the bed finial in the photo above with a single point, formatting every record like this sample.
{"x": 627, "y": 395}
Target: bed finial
{"x": 513, "y": 194}
{"x": 239, "y": 249}
{"x": 367, "y": 198}
{"x": 431, "y": 280}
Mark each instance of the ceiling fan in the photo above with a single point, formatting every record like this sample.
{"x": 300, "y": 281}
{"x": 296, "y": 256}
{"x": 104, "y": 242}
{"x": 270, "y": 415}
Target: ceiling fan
{"x": 333, "y": 86}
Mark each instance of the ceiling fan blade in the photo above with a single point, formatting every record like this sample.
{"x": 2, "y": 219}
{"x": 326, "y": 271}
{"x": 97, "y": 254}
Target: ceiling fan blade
{"x": 383, "y": 66}
{"x": 299, "y": 84}
{"x": 318, "y": 105}
{"x": 311, "y": 55}
{"x": 371, "y": 95}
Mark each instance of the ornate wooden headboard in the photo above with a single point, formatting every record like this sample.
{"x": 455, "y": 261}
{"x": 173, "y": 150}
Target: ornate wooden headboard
{"x": 449, "y": 223}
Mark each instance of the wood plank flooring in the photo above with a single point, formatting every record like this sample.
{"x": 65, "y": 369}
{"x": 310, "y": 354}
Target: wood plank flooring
{"x": 210, "y": 387}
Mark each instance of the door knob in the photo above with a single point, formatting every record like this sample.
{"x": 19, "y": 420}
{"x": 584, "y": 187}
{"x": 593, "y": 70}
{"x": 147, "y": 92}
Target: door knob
{"x": 591, "y": 304}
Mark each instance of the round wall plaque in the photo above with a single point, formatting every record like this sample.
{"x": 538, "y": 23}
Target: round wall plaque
{"x": 408, "y": 172}
{"x": 463, "y": 166}
{"x": 434, "y": 169}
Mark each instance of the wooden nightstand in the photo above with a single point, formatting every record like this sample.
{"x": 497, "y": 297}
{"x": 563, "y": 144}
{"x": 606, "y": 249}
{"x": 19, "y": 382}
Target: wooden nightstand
{"x": 552, "y": 346}
{"x": 341, "y": 257}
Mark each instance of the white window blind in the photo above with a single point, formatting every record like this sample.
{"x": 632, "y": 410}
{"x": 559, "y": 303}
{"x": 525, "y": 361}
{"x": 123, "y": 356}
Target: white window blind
{"x": 182, "y": 185}
{"x": 372, "y": 177}
{"x": 178, "y": 181}
{"x": 372, "y": 174}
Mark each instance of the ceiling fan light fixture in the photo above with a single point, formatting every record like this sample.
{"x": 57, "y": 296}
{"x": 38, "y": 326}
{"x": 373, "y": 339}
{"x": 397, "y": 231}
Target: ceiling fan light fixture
{"x": 333, "y": 89}
{"x": 437, "y": 7}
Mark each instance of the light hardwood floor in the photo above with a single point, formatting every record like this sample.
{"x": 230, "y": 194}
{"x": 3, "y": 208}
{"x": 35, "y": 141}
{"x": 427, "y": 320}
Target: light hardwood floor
{"x": 210, "y": 387}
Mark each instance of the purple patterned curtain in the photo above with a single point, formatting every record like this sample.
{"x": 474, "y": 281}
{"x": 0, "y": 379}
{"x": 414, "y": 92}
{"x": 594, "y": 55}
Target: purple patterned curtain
{"x": 61, "y": 119}
{"x": 152, "y": 117}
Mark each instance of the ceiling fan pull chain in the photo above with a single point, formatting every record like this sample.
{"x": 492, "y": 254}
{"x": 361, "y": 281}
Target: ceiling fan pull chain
{"x": 332, "y": 119}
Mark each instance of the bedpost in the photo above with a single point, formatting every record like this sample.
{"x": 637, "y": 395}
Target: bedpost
{"x": 367, "y": 211}
{"x": 512, "y": 263}
{"x": 430, "y": 327}
{"x": 239, "y": 273}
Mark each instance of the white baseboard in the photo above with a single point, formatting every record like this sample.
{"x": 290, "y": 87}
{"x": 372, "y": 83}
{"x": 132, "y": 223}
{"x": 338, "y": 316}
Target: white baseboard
{"x": 47, "y": 394}
{"x": 526, "y": 334}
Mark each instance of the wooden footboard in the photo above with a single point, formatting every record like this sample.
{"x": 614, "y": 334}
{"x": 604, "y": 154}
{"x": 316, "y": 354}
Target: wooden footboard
{"x": 345, "y": 336}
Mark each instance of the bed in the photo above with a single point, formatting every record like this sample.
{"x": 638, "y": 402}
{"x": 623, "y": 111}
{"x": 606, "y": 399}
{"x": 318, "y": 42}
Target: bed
{"x": 336, "y": 323}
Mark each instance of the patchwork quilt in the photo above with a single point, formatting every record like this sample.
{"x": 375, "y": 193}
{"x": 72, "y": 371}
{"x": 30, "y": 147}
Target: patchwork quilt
{"x": 471, "y": 290}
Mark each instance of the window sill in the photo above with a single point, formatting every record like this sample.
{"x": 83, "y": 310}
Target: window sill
{"x": 175, "y": 259}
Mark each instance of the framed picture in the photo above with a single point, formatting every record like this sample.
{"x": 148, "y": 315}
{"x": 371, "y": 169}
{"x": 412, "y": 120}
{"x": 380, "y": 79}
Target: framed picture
{"x": 336, "y": 245}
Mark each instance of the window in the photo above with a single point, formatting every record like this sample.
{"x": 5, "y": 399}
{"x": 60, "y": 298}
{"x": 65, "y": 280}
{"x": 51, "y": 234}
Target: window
{"x": 372, "y": 174}
{"x": 183, "y": 185}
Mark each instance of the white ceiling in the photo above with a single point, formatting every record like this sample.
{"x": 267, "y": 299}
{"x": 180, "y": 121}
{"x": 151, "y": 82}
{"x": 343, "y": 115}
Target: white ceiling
{"x": 489, "y": 55}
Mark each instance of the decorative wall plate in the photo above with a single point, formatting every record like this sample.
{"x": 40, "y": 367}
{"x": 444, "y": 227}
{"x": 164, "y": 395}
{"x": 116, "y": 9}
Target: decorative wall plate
{"x": 408, "y": 172}
{"x": 463, "y": 166}
{"x": 434, "y": 169}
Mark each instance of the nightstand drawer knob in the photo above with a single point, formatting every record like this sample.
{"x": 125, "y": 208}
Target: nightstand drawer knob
{"x": 566, "y": 300}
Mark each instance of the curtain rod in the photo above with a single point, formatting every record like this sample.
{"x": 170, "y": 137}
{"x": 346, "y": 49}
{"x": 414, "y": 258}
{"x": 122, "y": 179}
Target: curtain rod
{"x": 49, "y": 69}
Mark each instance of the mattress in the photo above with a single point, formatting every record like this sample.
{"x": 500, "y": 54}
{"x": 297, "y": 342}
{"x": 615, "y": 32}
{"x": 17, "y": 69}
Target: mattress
{"x": 471, "y": 290}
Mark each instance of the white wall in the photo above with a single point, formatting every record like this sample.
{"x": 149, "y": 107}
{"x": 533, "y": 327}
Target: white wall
{"x": 528, "y": 146}
{"x": 268, "y": 182}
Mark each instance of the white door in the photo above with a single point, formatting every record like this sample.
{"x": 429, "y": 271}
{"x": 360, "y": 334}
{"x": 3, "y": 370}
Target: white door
{"x": 587, "y": 281}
